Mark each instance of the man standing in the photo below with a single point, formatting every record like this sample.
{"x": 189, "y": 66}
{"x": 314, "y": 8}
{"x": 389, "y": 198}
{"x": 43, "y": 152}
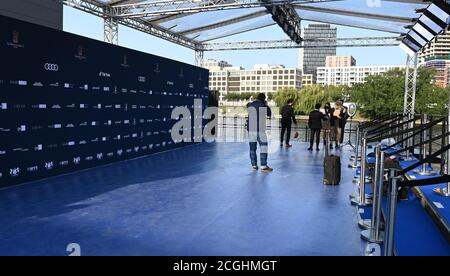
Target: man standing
{"x": 315, "y": 124}
{"x": 287, "y": 117}
{"x": 258, "y": 111}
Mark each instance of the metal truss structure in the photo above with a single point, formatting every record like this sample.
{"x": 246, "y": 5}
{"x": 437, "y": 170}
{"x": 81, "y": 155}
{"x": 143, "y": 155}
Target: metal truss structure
{"x": 179, "y": 21}
{"x": 289, "y": 44}
{"x": 410, "y": 85}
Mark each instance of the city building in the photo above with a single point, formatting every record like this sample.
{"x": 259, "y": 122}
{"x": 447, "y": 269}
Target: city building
{"x": 350, "y": 75}
{"x": 440, "y": 47}
{"x": 214, "y": 65}
{"x": 307, "y": 79}
{"x": 312, "y": 58}
{"x": 441, "y": 67}
{"x": 262, "y": 78}
{"x": 340, "y": 61}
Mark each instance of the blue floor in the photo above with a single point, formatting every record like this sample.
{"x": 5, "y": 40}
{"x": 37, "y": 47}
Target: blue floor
{"x": 200, "y": 200}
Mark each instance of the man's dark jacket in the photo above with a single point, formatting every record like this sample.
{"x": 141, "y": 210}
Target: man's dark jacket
{"x": 315, "y": 119}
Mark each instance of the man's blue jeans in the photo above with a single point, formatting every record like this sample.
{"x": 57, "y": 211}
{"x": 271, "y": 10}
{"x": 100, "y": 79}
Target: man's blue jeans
{"x": 260, "y": 138}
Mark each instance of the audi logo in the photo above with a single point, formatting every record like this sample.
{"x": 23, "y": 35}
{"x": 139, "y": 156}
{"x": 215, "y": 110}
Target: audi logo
{"x": 51, "y": 67}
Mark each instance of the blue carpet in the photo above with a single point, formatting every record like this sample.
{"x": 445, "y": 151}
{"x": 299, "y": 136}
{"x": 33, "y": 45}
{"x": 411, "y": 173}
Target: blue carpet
{"x": 416, "y": 234}
{"x": 200, "y": 200}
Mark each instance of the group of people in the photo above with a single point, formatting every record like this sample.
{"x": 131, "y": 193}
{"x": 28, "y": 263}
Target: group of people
{"x": 332, "y": 121}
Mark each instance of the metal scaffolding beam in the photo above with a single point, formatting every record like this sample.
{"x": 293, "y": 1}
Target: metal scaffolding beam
{"x": 199, "y": 57}
{"x": 410, "y": 85}
{"x": 171, "y": 7}
{"x": 382, "y": 17}
{"x": 111, "y": 29}
{"x": 316, "y": 43}
{"x": 135, "y": 23}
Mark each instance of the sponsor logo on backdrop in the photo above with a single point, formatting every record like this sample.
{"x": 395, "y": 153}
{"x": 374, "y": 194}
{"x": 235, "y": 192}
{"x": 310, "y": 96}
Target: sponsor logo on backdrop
{"x": 15, "y": 40}
{"x": 33, "y": 169}
{"x": 104, "y": 75}
{"x": 22, "y": 128}
{"x": 125, "y": 62}
{"x": 170, "y": 83}
{"x": 64, "y": 163}
{"x": 3, "y": 106}
{"x": 142, "y": 79}
{"x": 51, "y": 67}
{"x": 99, "y": 156}
{"x": 20, "y": 106}
{"x": 80, "y": 55}
{"x": 49, "y": 165}
{"x": 76, "y": 160}
{"x": 14, "y": 172}
{"x": 38, "y": 84}
{"x": 38, "y": 147}
{"x": 56, "y": 84}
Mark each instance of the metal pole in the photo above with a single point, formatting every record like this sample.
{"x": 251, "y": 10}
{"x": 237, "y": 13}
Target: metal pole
{"x": 355, "y": 159}
{"x": 391, "y": 214}
{"x": 445, "y": 191}
{"x": 423, "y": 170}
{"x": 373, "y": 234}
{"x": 360, "y": 200}
{"x": 369, "y": 223}
{"x": 409, "y": 142}
{"x": 377, "y": 227}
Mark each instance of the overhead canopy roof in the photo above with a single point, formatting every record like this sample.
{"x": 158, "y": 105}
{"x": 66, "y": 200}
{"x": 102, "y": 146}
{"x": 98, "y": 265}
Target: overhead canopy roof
{"x": 194, "y": 22}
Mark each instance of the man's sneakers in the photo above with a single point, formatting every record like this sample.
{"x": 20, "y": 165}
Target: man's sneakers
{"x": 288, "y": 146}
{"x": 310, "y": 149}
{"x": 263, "y": 168}
{"x": 266, "y": 169}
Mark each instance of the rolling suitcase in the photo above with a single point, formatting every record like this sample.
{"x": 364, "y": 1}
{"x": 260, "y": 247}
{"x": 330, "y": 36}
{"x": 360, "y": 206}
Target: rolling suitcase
{"x": 332, "y": 170}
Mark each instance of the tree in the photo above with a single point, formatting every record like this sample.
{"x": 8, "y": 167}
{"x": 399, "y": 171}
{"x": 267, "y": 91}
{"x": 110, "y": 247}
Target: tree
{"x": 311, "y": 95}
{"x": 383, "y": 94}
{"x": 286, "y": 94}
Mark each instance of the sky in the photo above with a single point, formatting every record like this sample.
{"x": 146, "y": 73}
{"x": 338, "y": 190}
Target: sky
{"x": 87, "y": 25}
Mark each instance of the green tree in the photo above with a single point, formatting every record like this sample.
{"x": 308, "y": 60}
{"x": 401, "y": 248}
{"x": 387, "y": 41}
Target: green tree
{"x": 286, "y": 94}
{"x": 311, "y": 95}
{"x": 383, "y": 94}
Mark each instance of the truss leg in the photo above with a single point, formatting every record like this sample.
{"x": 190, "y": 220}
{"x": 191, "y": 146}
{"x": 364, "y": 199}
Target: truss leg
{"x": 199, "y": 57}
{"x": 410, "y": 92}
{"x": 111, "y": 28}
{"x": 410, "y": 85}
